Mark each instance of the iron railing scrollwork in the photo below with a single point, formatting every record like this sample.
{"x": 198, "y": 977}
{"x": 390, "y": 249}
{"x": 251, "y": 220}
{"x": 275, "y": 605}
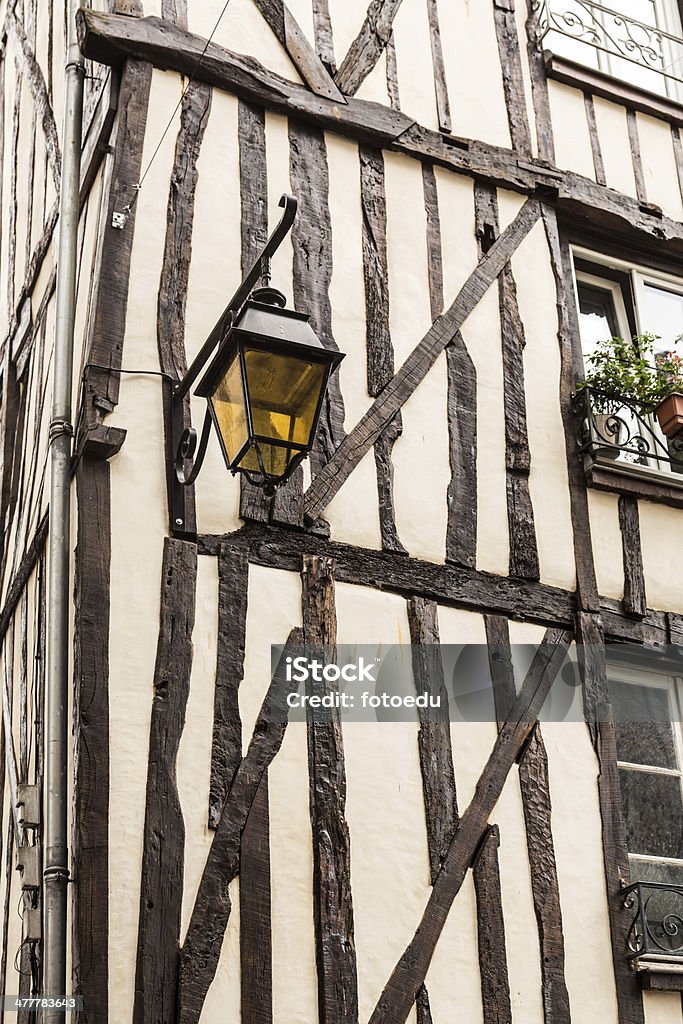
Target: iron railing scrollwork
{"x": 610, "y": 32}
{"x": 657, "y": 926}
{"x": 622, "y": 433}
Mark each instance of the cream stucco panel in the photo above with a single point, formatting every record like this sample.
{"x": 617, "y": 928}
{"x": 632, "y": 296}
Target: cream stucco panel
{"x": 139, "y": 522}
{"x": 659, "y": 165}
{"x": 458, "y": 242}
{"x": 661, "y": 536}
{"x": 570, "y": 129}
{"x": 223, "y": 1000}
{"x": 242, "y": 29}
{"x": 548, "y": 482}
{"x": 475, "y": 81}
{"x": 615, "y": 146}
{"x": 603, "y": 511}
{"x": 414, "y": 62}
{"x": 662, "y": 1007}
{"x": 277, "y": 153}
{"x": 353, "y": 513}
{"x": 347, "y": 18}
{"x": 374, "y": 87}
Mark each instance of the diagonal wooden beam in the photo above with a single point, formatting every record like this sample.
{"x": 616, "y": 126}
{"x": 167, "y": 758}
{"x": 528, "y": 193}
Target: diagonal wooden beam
{"x": 368, "y": 46}
{"x": 36, "y": 81}
{"x": 299, "y": 49}
{"x": 418, "y": 364}
{"x": 409, "y": 974}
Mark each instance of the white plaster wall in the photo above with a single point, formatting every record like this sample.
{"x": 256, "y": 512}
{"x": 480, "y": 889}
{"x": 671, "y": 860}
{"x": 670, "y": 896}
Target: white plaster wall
{"x": 277, "y": 151}
{"x": 215, "y": 273}
{"x": 548, "y": 482}
{"x": 475, "y": 82}
{"x": 662, "y": 1007}
{"x": 242, "y": 29}
{"x": 352, "y": 515}
{"x": 375, "y": 88}
{"x": 384, "y": 808}
{"x": 661, "y": 537}
{"x": 615, "y": 146}
{"x": 659, "y": 165}
{"x": 5, "y": 170}
{"x": 347, "y": 17}
{"x": 414, "y": 62}
{"x": 570, "y": 129}
{"x": 138, "y": 524}
{"x": 603, "y": 509}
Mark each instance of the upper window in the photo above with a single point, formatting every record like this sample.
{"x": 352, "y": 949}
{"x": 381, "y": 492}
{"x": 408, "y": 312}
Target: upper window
{"x": 634, "y": 41}
{"x": 616, "y": 300}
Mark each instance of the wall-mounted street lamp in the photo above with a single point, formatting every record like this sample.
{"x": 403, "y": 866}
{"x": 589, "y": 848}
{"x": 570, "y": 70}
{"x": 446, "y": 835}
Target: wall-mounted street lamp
{"x": 264, "y": 387}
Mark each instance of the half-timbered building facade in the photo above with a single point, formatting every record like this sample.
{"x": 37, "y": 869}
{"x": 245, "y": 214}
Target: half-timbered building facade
{"x": 485, "y": 189}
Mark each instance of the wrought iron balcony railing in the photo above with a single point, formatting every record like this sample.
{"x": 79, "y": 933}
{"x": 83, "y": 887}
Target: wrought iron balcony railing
{"x": 613, "y": 38}
{"x": 616, "y": 431}
{"x": 657, "y": 927}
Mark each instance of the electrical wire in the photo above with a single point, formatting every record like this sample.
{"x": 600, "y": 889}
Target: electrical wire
{"x": 137, "y": 188}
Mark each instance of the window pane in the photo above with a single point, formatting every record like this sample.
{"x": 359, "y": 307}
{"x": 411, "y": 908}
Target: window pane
{"x": 643, "y": 724}
{"x": 597, "y": 316}
{"x": 653, "y": 812}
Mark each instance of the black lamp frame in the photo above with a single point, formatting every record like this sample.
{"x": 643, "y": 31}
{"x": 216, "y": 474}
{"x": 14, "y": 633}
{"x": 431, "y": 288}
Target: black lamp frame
{"x": 185, "y": 457}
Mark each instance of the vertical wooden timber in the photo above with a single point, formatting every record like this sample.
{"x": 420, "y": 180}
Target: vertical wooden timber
{"x": 380, "y": 351}
{"x": 522, "y": 532}
{"x": 634, "y": 142}
{"x": 9, "y": 874}
{"x": 368, "y": 46}
{"x": 161, "y": 887}
{"x": 30, "y": 29}
{"x": 133, "y": 8}
{"x": 91, "y": 740}
{"x": 23, "y": 687}
{"x": 597, "y": 709}
{"x": 434, "y": 253}
{"x": 332, "y": 899}
{"x": 322, "y": 28}
{"x": 598, "y": 163}
{"x": 443, "y": 108}
{"x": 678, "y": 155}
{"x": 256, "y": 943}
{"x": 424, "y": 1010}
{"x": 175, "y": 11}
{"x": 513, "y": 80}
{"x": 495, "y": 985}
{"x": 12, "y": 203}
{"x": 226, "y": 749}
{"x": 560, "y": 261}
{"x": 539, "y": 86}
{"x": 635, "y": 598}
{"x": 312, "y": 243}
{"x": 202, "y": 946}
{"x": 299, "y": 49}
{"x": 434, "y": 737}
{"x": 9, "y": 415}
{"x": 409, "y": 974}
{"x": 392, "y": 74}
{"x": 251, "y": 130}
{"x": 175, "y": 269}
{"x": 111, "y": 294}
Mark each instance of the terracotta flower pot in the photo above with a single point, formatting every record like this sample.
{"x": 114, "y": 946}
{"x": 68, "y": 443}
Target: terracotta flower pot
{"x": 670, "y": 415}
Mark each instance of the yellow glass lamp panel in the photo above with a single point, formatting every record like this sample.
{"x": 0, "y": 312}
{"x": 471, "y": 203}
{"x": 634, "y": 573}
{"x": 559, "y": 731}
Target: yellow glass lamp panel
{"x": 284, "y": 392}
{"x": 229, "y": 409}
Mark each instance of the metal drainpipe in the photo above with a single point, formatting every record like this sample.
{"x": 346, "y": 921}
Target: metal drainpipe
{"x": 55, "y": 851}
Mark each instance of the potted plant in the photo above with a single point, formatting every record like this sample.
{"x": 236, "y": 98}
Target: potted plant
{"x": 669, "y": 411}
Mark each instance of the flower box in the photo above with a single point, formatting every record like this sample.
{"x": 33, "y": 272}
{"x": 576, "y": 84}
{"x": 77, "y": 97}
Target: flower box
{"x": 670, "y": 415}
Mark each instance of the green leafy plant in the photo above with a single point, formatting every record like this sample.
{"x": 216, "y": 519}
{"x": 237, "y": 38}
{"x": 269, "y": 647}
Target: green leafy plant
{"x": 628, "y": 370}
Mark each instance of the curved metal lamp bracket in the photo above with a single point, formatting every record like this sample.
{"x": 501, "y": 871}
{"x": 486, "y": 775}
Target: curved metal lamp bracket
{"x": 183, "y": 441}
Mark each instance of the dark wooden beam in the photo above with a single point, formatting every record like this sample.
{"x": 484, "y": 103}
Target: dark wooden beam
{"x": 598, "y": 163}
{"x": 443, "y": 107}
{"x": 636, "y": 158}
{"x": 635, "y": 598}
{"x": 36, "y": 81}
{"x": 495, "y": 984}
{"x": 368, "y": 46}
{"x": 513, "y": 81}
{"x": 301, "y": 53}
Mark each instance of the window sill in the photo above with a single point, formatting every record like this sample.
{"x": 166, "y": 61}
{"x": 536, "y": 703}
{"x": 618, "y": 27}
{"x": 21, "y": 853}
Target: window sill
{"x": 660, "y": 975}
{"x": 597, "y": 83}
{"x": 636, "y": 481}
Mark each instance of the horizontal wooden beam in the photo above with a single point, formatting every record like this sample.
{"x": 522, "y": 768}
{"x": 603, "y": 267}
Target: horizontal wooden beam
{"x": 451, "y": 585}
{"x": 111, "y": 38}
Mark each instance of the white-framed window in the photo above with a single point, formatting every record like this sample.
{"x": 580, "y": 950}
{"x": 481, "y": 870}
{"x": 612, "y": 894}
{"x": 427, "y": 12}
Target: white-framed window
{"x": 615, "y": 298}
{"x": 634, "y": 41}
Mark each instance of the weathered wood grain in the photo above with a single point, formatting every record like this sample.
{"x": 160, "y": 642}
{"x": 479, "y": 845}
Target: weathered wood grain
{"x": 636, "y": 158}
{"x": 175, "y": 268}
{"x": 678, "y": 154}
{"x": 226, "y": 748}
{"x": 513, "y": 80}
{"x": 175, "y": 11}
{"x": 434, "y": 251}
{"x": 379, "y": 347}
{"x": 495, "y": 985}
{"x": 596, "y": 149}
{"x": 635, "y": 598}
{"x": 417, "y": 365}
{"x": 597, "y": 709}
{"x": 539, "y": 87}
{"x": 424, "y": 1010}
{"x": 201, "y": 949}
{"x": 443, "y": 107}
{"x": 400, "y": 992}
{"x": 392, "y": 73}
{"x": 332, "y": 898}
{"x": 12, "y": 207}
{"x": 302, "y": 54}
{"x": 163, "y": 858}
{"x": 368, "y": 46}
{"x": 461, "y": 496}
{"x": 434, "y": 737}
{"x": 322, "y": 28}
{"x": 90, "y": 830}
{"x": 251, "y": 135}
{"x": 36, "y": 81}
{"x": 22, "y": 575}
{"x": 9, "y": 417}
{"x": 586, "y": 582}
{"x": 110, "y": 298}
{"x": 256, "y": 943}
